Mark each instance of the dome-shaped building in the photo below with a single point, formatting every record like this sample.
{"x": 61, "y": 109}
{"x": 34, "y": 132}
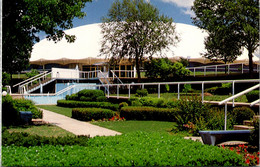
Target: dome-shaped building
{"x": 83, "y": 53}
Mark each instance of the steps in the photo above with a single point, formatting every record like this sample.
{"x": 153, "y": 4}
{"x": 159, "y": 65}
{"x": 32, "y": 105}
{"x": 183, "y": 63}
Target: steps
{"x": 247, "y": 124}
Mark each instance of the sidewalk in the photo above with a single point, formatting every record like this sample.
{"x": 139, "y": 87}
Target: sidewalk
{"x": 76, "y": 127}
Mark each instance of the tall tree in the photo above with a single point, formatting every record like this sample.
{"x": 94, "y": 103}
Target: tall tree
{"x": 241, "y": 17}
{"x": 24, "y": 19}
{"x": 133, "y": 29}
{"x": 222, "y": 46}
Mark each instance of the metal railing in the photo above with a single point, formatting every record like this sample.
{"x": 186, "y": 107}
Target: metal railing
{"x": 25, "y": 87}
{"x": 29, "y": 79}
{"x": 232, "y": 98}
{"x": 115, "y": 76}
{"x": 239, "y": 68}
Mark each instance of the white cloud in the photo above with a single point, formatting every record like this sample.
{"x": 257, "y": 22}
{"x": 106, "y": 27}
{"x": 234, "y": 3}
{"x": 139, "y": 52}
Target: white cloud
{"x": 181, "y": 3}
{"x": 186, "y": 4}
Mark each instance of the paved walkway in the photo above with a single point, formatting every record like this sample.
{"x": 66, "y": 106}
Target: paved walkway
{"x": 76, "y": 127}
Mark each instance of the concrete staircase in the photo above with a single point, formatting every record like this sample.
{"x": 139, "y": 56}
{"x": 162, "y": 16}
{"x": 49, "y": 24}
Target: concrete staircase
{"x": 247, "y": 124}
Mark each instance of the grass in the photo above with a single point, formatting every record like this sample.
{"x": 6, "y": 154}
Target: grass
{"x": 41, "y": 130}
{"x": 174, "y": 96}
{"x": 132, "y": 126}
{"x": 60, "y": 110}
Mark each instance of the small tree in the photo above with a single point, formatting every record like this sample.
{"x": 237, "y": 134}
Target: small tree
{"x": 165, "y": 69}
{"x": 134, "y": 29}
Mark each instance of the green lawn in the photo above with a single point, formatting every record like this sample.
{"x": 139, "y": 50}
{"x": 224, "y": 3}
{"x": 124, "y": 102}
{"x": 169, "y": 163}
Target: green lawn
{"x": 132, "y": 126}
{"x": 60, "y": 110}
{"x": 174, "y": 96}
{"x": 42, "y": 130}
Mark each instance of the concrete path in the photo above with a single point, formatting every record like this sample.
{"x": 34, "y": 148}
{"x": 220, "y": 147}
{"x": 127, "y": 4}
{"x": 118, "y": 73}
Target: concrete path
{"x": 76, "y": 127}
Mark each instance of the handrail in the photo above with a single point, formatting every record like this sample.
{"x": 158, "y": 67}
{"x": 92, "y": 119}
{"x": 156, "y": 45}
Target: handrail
{"x": 103, "y": 76}
{"x": 23, "y": 86}
{"x": 64, "y": 90}
{"x": 254, "y": 102}
{"x": 30, "y": 78}
{"x": 116, "y": 76}
{"x": 233, "y": 97}
{"x": 239, "y": 94}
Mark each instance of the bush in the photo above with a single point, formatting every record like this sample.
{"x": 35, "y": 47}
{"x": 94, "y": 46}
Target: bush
{"x": 242, "y": 113}
{"x": 88, "y": 95}
{"x": 26, "y": 140}
{"x": 252, "y": 96}
{"x": 87, "y": 114}
{"x": 6, "y": 78}
{"x": 254, "y": 137}
{"x": 215, "y": 119}
{"x": 81, "y": 104}
{"x": 131, "y": 149}
{"x": 153, "y": 102}
{"x": 191, "y": 110}
{"x": 27, "y": 105}
{"x": 123, "y": 104}
{"x": 148, "y": 113}
{"x": 10, "y": 115}
{"x": 11, "y": 108}
{"x": 141, "y": 92}
{"x": 32, "y": 73}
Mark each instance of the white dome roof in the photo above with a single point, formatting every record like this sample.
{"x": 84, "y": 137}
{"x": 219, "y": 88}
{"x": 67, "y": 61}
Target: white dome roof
{"x": 89, "y": 37}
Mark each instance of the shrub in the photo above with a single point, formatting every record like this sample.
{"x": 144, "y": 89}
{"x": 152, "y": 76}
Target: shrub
{"x": 191, "y": 110}
{"x": 141, "y": 92}
{"x": 11, "y": 108}
{"x": 10, "y": 115}
{"x": 148, "y": 113}
{"x": 187, "y": 88}
{"x": 32, "y": 73}
{"x": 87, "y": 114}
{"x": 131, "y": 149}
{"x": 242, "y": 113}
{"x": 123, "y": 104}
{"x": 27, "y": 105}
{"x": 153, "y": 102}
{"x": 82, "y": 104}
{"x": 216, "y": 117}
{"x": 26, "y": 140}
{"x": 6, "y": 78}
{"x": 254, "y": 137}
{"x": 88, "y": 95}
{"x": 252, "y": 96}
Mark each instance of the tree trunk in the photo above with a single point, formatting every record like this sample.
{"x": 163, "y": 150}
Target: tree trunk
{"x": 138, "y": 69}
{"x": 250, "y": 57}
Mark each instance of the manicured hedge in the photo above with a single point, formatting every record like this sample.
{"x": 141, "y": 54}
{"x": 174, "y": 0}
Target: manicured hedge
{"x": 148, "y": 113}
{"x": 81, "y": 104}
{"x": 87, "y": 114}
{"x": 26, "y": 140}
{"x": 88, "y": 95}
{"x": 252, "y": 96}
{"x": 152, "y": 101}
{"x": 132, "y": 149}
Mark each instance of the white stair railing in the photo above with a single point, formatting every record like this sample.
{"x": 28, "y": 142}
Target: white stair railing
{"x": 29, "y": 79}
{"x": 233, "y": 97}
{"x": 115, "y": 76}
{"x": 25, "y": 87}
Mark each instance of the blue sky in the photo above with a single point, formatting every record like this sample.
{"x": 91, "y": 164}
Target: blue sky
{"x": 179, "y": 10}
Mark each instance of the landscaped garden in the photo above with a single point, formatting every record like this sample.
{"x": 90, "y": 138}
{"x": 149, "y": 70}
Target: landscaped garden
{"x": 153, "y": 131}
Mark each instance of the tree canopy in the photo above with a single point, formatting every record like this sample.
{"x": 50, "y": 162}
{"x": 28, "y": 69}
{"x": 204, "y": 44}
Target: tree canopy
{"x": 24, "y": 19}
{"x": 165, "y": 69}
{"x": 238, "y": 17}
{"x": 133, "y": 29}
